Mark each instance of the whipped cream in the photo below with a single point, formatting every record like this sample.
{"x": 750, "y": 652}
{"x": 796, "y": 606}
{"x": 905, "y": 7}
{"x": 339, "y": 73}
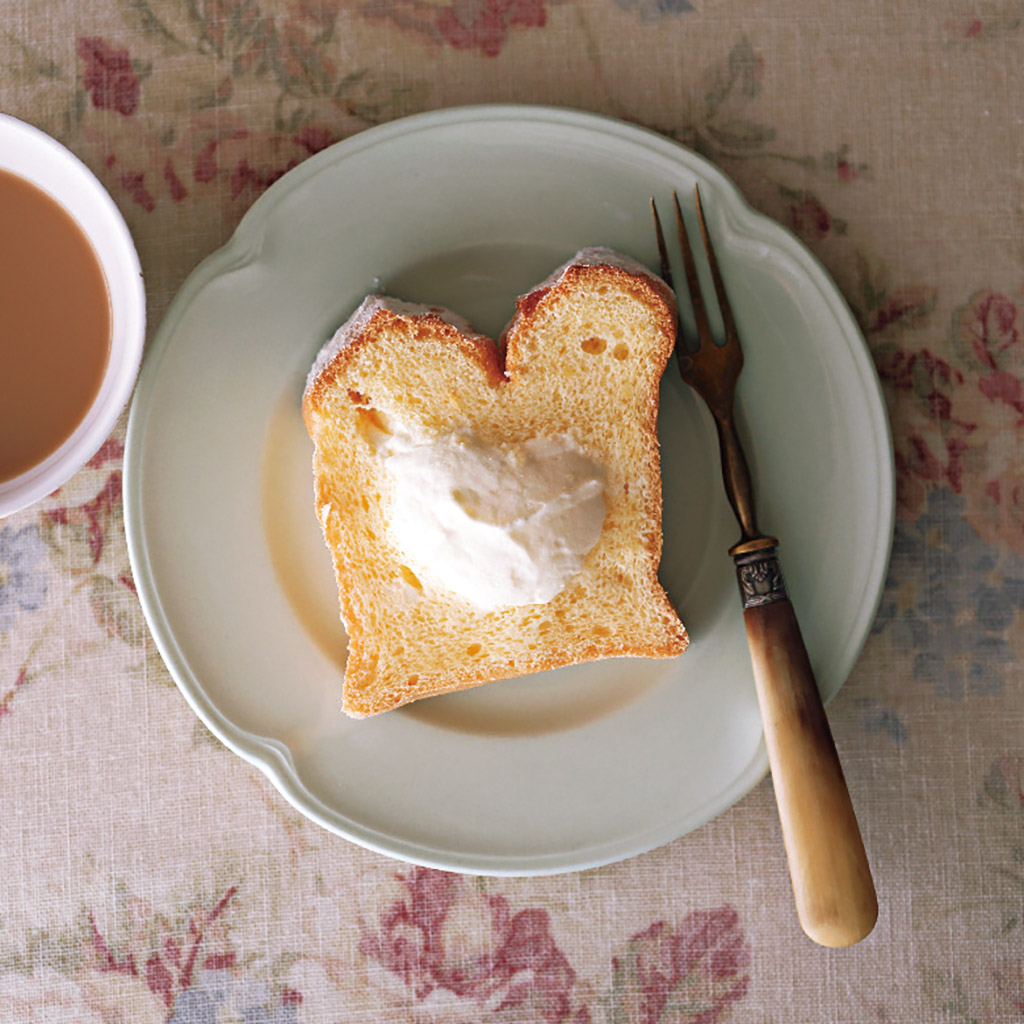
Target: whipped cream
{"x": 498, "y": 526}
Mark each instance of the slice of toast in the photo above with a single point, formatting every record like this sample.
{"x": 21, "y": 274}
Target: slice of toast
{"x": 581, "y": 361}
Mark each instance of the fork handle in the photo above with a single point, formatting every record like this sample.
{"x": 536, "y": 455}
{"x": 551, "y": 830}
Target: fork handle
{"x": 835, "y": 894}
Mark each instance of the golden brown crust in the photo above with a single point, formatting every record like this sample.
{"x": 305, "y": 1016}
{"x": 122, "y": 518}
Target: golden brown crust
{"x": 647, "y": 287}
{"x": 370, "y": 686}
{"x": 478, "y": 350}
{"x": 465, "y": 678}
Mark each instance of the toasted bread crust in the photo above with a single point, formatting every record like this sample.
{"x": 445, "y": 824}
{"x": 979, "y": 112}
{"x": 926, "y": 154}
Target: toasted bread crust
{"x": 621, "y": 570}
{"x": 475, "y": 347}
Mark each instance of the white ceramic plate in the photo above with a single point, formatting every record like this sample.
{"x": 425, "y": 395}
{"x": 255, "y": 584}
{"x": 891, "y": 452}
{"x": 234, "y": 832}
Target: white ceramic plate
{"x": 548, "y": 773}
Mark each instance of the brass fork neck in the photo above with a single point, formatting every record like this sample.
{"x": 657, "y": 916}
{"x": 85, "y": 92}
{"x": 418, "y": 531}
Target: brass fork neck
{"x": 738, "y": 488}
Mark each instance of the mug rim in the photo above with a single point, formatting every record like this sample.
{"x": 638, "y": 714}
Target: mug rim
{"x": 41, "y": 160}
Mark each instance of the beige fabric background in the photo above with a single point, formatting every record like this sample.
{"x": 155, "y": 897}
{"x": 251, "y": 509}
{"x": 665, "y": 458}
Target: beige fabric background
{"x": 150, "y": 875}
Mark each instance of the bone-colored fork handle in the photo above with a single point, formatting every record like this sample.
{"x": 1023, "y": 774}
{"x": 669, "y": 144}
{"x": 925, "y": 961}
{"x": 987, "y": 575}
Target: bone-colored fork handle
{"x": 835, "y": 894}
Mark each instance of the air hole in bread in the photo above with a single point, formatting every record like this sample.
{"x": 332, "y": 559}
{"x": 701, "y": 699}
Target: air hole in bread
{"x": 412, "y": 680}
{"x": 356, "y": 398}
{"x": 372, "y": 426}
{"x": 593, "y": 346}
{"x": 545, "y": 626}
{"x": 602, "y": 631}
{"x": 410, "y": 577}
{"x": 473, "y": 650}
{"x": 621, "y": 351}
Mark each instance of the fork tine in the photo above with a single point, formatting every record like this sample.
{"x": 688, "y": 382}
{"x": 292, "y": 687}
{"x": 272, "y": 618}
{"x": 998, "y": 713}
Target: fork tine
{"x": 666, "y": 267}
{"x": 731, "y": 335}
{"x": 700, "y": 313}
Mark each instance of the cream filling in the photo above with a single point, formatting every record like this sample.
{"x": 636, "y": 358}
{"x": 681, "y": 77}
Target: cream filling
{"x": 500, "y": 527}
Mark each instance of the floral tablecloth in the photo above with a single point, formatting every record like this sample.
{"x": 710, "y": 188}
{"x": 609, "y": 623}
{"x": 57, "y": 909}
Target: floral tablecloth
{"x": 151, "y": 875}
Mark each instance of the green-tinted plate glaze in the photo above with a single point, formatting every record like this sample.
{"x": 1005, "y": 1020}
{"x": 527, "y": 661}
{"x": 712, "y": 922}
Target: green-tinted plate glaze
{"x": 467, "y": 208}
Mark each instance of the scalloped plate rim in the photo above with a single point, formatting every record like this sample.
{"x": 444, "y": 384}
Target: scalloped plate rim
{"x": 273, "y": 757}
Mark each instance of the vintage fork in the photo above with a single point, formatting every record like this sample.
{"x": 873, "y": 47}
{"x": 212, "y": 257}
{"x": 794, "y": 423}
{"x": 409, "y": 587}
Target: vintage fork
{"x": 832, "y": 884}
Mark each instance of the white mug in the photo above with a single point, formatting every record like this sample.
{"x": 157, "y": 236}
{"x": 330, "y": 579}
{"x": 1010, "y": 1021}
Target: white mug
{"x": 35, "y": 156}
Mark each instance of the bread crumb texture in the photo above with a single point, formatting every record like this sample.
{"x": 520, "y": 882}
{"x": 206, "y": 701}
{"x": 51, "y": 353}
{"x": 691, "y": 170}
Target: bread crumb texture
{"x": 583, "y": 357}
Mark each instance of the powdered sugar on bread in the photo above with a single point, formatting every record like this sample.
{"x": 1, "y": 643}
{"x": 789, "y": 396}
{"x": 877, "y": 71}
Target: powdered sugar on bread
{"x": 597, "y": 256}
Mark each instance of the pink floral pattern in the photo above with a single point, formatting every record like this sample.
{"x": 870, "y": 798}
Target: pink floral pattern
{"x": 108, "y": 76}
{"x": 188, "y": 111}
{"x": 170, "y": 964}
{"x": 78, "y": 536}
{"x": 998, "y": 23}
{"x": 442, "y": 937}
{"x": 186, "y": 968}
{"x": 229, "y": 158}
{"x": 962, "y": 418}
{"x": 161, "y": 970}
{"x": 688, "y": 975}
{"x": 809, "y": 217}
{"x": 512, "y": 963}
{"x": 480, "y": 26}
{"x": 484, "y": 24}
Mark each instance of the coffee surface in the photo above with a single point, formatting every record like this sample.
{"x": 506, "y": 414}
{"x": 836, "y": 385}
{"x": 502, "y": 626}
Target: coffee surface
{"x": 54, "y": 325}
